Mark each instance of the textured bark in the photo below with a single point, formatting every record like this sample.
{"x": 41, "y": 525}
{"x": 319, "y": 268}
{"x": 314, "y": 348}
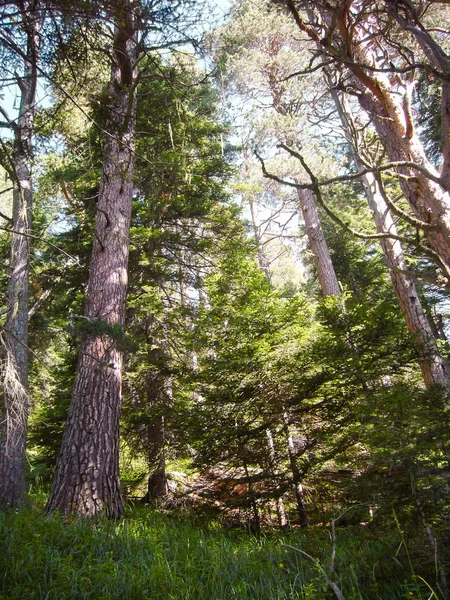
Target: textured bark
{"x": 351, "y": 39}
{"x": 409, "y": 19}
{"x": 15, "y": 397}
{"x": 86, "y": 480}
{"x": 434, "y": 368}
{"x": 321, "y": 256}
{"x": 389, "y": 106}
{"x": 158, "y": 485}
{"x": 429, "y": 202}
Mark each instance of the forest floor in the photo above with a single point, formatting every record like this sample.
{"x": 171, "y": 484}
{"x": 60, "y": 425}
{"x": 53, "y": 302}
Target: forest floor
{"x": 156, "y": 555}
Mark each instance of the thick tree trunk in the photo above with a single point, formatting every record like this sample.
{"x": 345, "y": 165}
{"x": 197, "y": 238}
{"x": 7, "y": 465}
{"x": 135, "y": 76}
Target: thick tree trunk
{"x": 434, "y": 368}
{"x": 388, "y": 102}
{"x": 15, "y": 397}
{"x": 86, "y": 480}
{"x": 321, "y": 256}
{"x": 429, "y": 202}
{"x": 408, "y": 17}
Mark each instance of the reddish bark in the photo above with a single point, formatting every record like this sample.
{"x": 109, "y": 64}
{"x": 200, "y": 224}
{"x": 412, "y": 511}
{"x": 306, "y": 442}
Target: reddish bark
{"x": 434, "y": 368}
{"x": 86, "y": 480}
{"x": 350, "y": 33}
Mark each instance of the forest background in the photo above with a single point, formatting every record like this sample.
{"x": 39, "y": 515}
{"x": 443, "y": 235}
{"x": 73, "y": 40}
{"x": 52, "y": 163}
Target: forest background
{"x": 224, "y": 307}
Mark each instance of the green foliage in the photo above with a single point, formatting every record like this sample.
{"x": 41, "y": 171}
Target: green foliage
{"x": 178, "y": 215}
{"x": 89, "y": 326}
{"x": 263, "y": 356}
{"x": 181, "y": 226}
{"x": 52, "y": 397}
{"x": 428, "y": 95}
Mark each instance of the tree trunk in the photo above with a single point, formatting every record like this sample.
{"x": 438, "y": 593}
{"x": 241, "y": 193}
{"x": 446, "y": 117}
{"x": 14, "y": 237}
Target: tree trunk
{"x": 434, "y": 368}
{"x": 86, "y": 480}
{"x": 321, "y": 256}
{"x": 296, "y": 475}
{"x": 388, "y": 102}
{"x": 15, "y": 398}
{"x": 326, "y": 274}
{"x": 262, "y": 258}
{"x": 157, "y": 485}
{"x": 281, "y": 513}
{"x": 159, "y": 394}
{"x": 409, "y": 19}
{"x": 255, "y": 523}
{"x": 429, "y": 202}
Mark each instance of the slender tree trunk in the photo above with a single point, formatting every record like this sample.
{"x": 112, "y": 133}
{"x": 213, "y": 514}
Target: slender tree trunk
{"x": 159, "y": 401}
{"x": 262, "y": 258}
{"x": 86, "y": 480}
{"x": 14, "y": 401}
{"x": 326, "y": 274}
{"x": 281, "y": 513}
{"x": 434, "y": 368}
{"x": 264, "y": 266}
{"x": 321, "y": 256}
{"x": 297, "y": 478}
{"x": 255, "y": 525}
{"x": 158, "y": 486}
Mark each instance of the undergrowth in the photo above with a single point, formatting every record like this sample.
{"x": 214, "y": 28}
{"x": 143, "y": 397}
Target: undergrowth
{"x": 156, "y": 556}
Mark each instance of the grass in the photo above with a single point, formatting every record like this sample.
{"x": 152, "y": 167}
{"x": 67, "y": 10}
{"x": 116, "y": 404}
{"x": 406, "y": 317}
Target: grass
{"x": 156, "y": 556}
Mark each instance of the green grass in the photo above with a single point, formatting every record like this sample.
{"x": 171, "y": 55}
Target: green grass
{"x": 155, "y": 556}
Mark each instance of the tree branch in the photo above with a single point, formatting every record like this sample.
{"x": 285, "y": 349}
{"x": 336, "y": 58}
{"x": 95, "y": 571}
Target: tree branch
{"x": 351, "y": 177}
{"x": 37, "y": 237}
{"x": 315, "y": 187}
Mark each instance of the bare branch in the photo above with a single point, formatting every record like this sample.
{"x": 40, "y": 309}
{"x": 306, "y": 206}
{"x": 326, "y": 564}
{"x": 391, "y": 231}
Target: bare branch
{"x": 351, "y": 177}
{"x": 3, "y": 216}
{"x": 37, "y": 237}
{"x": 315, "y": 187}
